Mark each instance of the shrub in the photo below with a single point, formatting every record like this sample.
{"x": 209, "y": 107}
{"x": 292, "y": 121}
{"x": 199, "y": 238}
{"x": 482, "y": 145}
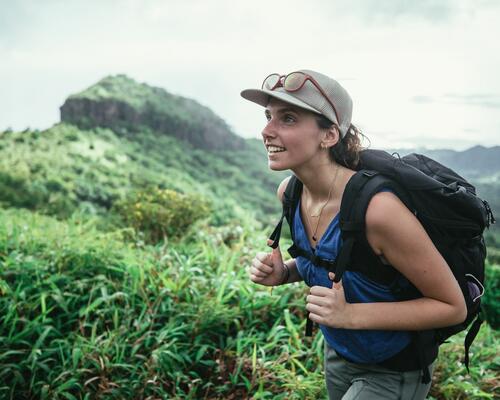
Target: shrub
{"x": 18, "y": 191}
{"x": 494, "y": 254}
{"x": 490, "y": 303}
{"x": 160, "y": 213}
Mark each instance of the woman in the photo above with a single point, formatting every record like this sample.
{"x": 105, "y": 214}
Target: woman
{"x": 366, "y": 328}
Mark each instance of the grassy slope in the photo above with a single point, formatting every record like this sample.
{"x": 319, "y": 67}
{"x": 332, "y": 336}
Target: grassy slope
{"x": 64, "y": 168}
{"x": 86, "y": 314}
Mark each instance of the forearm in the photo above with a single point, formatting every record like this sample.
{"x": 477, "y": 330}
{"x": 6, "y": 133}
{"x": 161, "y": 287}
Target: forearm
{"x": 419, "y": 314}
{"x": 293, "y": 275}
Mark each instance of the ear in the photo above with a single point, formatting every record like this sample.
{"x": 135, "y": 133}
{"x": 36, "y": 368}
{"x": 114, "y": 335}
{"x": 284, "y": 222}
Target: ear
{"x": 332, "y": 137}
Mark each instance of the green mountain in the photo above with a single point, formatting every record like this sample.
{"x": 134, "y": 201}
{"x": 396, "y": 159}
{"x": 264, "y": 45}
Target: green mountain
{"x": 126, "y": 106}
{"x": 119, "y": 136}
{"x": 475, "y": 163}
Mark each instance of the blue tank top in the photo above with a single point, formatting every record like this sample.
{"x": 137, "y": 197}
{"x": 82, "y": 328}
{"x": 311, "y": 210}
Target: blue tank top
{"x": 358, "y": 346}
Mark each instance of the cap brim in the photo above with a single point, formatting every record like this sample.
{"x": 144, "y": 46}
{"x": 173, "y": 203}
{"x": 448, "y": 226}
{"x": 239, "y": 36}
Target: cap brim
{"x": 261, "y": 97}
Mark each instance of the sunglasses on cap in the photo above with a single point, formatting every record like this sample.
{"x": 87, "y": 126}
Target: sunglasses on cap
{"x": 293, "y": 82}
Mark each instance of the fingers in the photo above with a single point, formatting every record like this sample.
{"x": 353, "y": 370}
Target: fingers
{"x": 264, "y": 264}
{"x": 317, "y": 318}
{"x": 255, "y": 274}
{"x": 263, "y": 257}
{"x": 259, "y": 270}
{"x": 318, "y": 300}
{"x": 319, "y": 291}
{"x": 260, "y": 266}
{"x": 314, "y": 309}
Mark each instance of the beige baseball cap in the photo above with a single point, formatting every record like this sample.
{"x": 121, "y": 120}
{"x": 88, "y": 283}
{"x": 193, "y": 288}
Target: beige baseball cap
{"x": 310, "y": 98}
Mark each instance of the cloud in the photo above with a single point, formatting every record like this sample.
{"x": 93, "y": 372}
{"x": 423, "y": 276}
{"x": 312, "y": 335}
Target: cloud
{"x": 428, "y": 140}
{"x": 391, "y": 12}
{"x": 422, "y": 99}
{"x": 485, "y": 100}
{"x": 478, "y": 99}
{"x": 383, "y": 11}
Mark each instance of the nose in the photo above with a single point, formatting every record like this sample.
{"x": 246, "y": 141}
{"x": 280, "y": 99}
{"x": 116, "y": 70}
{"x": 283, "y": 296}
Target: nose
{"x": 269, "y": 130}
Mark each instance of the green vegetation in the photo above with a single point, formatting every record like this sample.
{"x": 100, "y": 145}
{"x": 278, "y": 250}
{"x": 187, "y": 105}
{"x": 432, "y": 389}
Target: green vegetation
{"x": 160, "y": 214}
{"x": 491, "y": 303}
{"x": 130, "y": 107}
{"x": 124, "y": 244}
{"x": 63, "y": 169}
{"x": 88, "y": 314}
{"x": 141, "y": 96}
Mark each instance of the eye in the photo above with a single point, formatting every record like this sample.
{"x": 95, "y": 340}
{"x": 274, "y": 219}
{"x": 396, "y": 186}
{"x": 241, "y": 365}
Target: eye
{"x": 289, "y": 118}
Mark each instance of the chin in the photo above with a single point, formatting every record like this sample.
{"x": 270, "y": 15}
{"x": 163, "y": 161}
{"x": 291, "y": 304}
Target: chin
{"x": 276, "y": 167}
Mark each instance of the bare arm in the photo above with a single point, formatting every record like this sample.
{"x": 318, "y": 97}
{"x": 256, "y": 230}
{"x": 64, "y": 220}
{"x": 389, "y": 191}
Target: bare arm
{"x": 395, "y": 233}
{"x": 294, "y": 273}
{"x": 269, "y": 269}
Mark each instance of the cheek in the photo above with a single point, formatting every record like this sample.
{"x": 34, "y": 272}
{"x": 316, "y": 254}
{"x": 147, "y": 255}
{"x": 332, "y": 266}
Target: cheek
{"x": 305, "y": 144}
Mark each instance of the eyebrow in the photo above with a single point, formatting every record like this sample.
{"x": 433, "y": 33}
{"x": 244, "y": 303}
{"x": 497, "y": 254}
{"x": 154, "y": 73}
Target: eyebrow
{"x": 284, "y": 110}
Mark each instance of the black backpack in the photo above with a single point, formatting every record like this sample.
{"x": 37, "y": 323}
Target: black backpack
{"x": 450, "y": 212}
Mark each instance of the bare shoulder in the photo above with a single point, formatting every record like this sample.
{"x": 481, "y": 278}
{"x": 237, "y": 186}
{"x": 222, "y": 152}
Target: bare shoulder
{"x": 383, "y": 207}
{"x": 386, "y": 219}
{"x": 281, "y": 188}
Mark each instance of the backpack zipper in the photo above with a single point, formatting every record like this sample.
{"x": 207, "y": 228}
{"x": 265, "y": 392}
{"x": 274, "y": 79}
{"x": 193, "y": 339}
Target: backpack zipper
{"x": 489, "y": 214}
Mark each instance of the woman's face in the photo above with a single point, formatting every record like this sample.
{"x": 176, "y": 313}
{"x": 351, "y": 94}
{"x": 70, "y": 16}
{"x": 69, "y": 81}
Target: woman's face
{"x": 292, "y": 136}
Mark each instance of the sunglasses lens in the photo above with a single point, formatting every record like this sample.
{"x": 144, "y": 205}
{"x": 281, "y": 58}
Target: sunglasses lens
{"x": 294, "y": 81}
{"x": 271, "y": 81}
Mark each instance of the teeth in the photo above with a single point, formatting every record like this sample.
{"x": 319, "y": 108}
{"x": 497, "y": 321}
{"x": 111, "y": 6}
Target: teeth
{"x": 275, "y": 149}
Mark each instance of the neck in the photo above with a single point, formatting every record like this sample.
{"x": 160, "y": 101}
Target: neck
{"x": 318, "y": 181}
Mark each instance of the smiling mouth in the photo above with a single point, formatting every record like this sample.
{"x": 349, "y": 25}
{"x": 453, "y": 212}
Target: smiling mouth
{"x": 275, "y": 149}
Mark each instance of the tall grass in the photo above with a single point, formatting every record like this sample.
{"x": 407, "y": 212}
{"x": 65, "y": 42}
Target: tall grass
{"x": 88, "y": 315}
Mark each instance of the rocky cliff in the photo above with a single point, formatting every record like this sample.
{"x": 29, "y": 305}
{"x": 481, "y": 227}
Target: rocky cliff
{"x": 124, "y": 105}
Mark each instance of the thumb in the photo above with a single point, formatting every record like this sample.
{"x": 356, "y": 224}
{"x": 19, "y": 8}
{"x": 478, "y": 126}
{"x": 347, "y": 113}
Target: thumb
{"x": 277, "y": 257}
{"x": 335, "y": 285}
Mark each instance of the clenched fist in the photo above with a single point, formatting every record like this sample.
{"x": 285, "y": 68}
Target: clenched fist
{"x": 268, "y": 268}
{"x": 328, "y": 306}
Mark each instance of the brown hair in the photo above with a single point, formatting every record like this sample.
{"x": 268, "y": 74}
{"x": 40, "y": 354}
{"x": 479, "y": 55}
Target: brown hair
{"x": 346, "y": 151}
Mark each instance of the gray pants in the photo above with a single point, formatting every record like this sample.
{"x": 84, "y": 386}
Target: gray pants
{"x": 348, "y": 381}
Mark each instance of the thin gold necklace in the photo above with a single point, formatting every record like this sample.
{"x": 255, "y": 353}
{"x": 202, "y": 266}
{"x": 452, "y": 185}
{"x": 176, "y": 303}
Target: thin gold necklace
{"x": 314, "y": 237}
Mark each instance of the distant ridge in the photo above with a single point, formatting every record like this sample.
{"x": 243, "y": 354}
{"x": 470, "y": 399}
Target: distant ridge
{"x": 126, "y": 106}
{"x": 473, "y": 162}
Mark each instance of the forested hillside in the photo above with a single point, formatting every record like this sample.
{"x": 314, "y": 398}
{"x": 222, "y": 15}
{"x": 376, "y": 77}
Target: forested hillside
{"x": 119, "y": 136}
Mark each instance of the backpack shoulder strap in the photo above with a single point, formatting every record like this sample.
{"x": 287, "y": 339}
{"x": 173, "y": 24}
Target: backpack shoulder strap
{"x": 291, "y": 198}
{"x": 357, "y": 195}
{"x": 290, "y": 201}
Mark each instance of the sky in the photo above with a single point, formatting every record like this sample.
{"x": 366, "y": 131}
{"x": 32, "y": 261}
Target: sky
{"x": 421, "y": 73}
